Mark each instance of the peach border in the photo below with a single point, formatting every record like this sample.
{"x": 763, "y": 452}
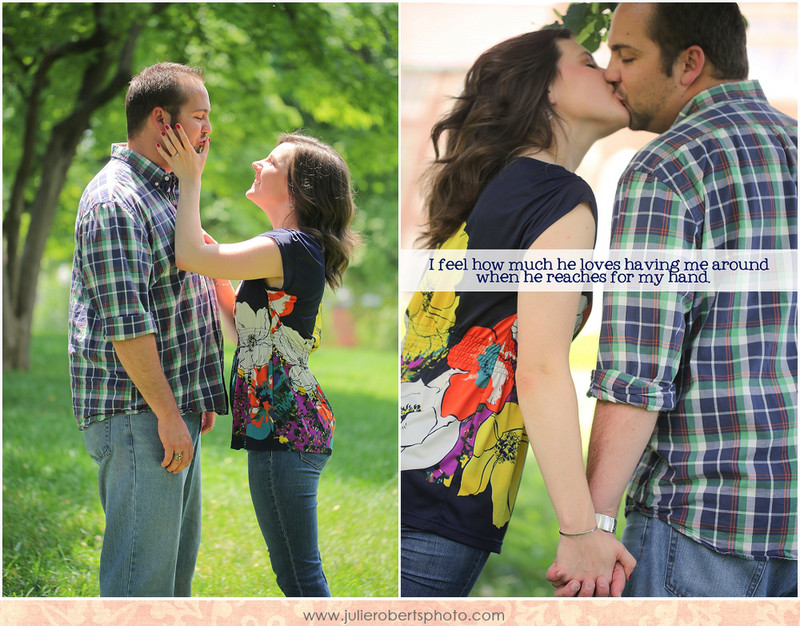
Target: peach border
{"x": 282, "y": 612}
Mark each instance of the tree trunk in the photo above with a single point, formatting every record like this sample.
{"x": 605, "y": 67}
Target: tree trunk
{"x": 20, "y": 304}
{"x": 16, "y": 333}
{"x": 21, "y": 273}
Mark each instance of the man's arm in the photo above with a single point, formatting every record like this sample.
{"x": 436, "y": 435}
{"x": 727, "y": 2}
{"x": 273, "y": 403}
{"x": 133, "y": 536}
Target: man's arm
{"x": 139, "y": 357}
{"x": 620, "y": 433}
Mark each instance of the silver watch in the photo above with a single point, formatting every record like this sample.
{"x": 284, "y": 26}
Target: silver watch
{"x": 606, "y": 522}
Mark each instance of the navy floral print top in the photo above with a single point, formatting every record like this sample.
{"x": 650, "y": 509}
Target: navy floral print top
{"x": 277, "y": 402}
{"x": 463, "y": 441}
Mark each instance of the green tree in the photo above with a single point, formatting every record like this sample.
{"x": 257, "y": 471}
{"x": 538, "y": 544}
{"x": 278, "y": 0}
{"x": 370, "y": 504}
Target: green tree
{"x": 36, "y": 51}
{"x": 327, "y": 68}
{"x": 588, "y": 20}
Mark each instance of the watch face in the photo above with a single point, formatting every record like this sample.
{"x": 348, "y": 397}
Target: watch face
{"x": 606, "y": 522}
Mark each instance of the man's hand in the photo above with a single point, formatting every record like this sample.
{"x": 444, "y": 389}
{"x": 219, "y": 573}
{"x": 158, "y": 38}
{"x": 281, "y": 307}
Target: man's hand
{"x": 209, "y": 419}
{"x": 177, "y": 442}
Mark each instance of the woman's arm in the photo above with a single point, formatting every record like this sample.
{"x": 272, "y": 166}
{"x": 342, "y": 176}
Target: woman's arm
{"x": 546, "y": 322}
{"x": 254, "y": 258}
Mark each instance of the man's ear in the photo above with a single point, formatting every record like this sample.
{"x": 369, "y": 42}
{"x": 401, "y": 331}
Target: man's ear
{"x": 159, "y": 117}
{"x": 691, "y": 63}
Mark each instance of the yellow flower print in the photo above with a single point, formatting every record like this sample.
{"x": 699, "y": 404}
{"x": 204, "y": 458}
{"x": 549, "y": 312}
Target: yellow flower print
{"x": 429, "y": 317}
{"x": 498, "y": 460}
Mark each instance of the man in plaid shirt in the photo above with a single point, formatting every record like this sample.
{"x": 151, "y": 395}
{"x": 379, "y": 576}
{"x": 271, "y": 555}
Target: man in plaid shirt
{"x": 697, "y": 390}
{"x": 145, "y": 346}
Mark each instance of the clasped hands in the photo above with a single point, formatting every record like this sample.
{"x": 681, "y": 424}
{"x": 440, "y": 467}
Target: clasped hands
{"x": 596, "y": 564}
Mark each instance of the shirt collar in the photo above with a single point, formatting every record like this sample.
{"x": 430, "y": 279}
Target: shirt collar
{"x": 157, "y": 176}
{"x": 724, "y": 92}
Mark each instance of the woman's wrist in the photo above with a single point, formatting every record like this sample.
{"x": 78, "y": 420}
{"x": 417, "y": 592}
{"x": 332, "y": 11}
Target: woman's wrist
{"x": 577, "y": 519}
{"x": 578, "y": 534}
{"x": 190, "y": 183}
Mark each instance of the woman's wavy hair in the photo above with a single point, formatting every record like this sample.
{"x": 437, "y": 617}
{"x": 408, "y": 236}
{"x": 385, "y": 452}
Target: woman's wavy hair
{"x": 502, "y": 111}
{"x": 322, "y": 197}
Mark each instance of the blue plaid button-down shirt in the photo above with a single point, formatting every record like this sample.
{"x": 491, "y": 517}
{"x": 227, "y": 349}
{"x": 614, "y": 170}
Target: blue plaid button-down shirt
{"x": 125, "y": 284}
{"x": 720, "y": 368}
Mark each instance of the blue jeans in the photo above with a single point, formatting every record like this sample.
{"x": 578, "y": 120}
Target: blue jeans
{"x": 283, "y": 486}
{"x": 431, "y": 565}
{"x": 670, "y": 564}
{"x": 152, "y": 532}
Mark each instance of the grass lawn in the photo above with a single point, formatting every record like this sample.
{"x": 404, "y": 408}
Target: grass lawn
{"x": 53, "y": 522}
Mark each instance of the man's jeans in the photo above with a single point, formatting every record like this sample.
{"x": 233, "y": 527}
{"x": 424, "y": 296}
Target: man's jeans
{"x": 283, "y": 486}
{"x": 431, "y": 565}
{"x": 670, "y": 564}
{"x": 152, "y": 533}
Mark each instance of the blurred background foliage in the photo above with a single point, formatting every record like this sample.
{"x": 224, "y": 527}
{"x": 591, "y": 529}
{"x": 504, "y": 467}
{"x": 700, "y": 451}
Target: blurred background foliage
{"x": 588, "y": 20}
{"x": 328, "y": 69}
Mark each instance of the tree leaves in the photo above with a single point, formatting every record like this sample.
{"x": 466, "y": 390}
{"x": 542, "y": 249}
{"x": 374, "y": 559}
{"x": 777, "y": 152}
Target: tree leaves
{"x": 329, "y": 68}
{"x": 589, "y": 22}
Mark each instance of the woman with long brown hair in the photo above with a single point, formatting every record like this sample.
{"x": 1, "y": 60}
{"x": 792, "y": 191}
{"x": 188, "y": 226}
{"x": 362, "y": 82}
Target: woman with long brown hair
{"x": 280, "y": 413}
{"x": 484, "y": 373}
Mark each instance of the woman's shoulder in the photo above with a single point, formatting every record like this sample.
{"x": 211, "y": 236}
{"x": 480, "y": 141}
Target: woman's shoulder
{"x": 527, "y": 183}
{"x": 530, "y": 172}
{"x": 303, "y": 260}
{"x": 286, "y": 237}
{"x": 522, "y": 201}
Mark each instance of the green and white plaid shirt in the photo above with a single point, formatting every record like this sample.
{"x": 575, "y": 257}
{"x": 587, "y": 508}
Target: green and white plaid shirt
{"x": 720, "y": 368}
{"x": 125, "y": 284}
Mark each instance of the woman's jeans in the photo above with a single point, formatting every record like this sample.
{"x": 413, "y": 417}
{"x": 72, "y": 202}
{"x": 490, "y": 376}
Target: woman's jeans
{"x": 152, "y": 530}
{"x": 283, "y": 485}
{"x": 669, "y": 564}
{"x": 431, "y": 565}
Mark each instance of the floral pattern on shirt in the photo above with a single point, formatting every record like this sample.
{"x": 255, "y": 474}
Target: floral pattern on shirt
{"x": 274, "y": 392}
{"x": 470, "y": 421}
{"x": 460, "y": 420}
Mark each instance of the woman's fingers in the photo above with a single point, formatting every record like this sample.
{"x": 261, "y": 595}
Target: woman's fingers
{"x": 172, "y": 140}
{"x": 178, "y": 136}
{"x": 164, "y": 152}
{"x": 167, "y": 139}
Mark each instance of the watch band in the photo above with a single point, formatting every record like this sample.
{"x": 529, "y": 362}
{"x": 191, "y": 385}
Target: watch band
{"x": 606, "y": 522}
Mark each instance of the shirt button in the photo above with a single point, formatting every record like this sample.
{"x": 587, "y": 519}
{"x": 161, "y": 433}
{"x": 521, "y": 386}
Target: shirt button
{"x": 166, "y": 178}
{"x": 156, "y": 183}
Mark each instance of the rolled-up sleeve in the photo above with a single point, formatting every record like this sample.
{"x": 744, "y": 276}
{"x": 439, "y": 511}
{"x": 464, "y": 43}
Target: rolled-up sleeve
{"x": 642, "y": 333}
{"x": 116, "y": 265}
{"x": 641, "y": 342}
